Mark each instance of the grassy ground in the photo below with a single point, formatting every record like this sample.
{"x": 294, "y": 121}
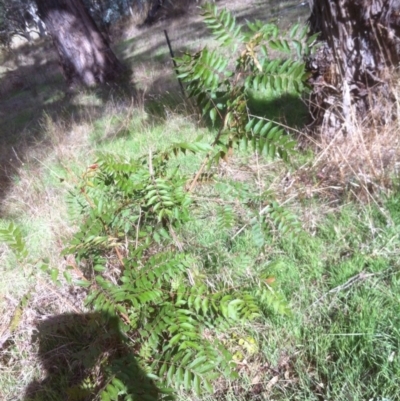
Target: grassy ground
{"x": 340, "y": 276}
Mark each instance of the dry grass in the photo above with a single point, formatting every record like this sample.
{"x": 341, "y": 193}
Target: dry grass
{"x": 36, "y": 202}
{"x": 365, "y": 163}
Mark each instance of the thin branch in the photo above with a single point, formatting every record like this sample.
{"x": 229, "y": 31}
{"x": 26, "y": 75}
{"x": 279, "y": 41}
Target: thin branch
{"x": 353, "y": 280}
{"x": 206, "y": 160}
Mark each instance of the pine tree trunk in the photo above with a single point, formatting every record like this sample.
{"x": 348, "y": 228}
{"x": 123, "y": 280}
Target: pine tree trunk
{"x": 350, "y": 70}
{"x": 85, "y": 56}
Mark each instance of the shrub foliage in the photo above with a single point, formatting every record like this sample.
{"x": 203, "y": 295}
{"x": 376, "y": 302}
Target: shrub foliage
{"x": 261, "y": 60}
{"x": 131, "y": 251}
{"x": 134, "y": 213}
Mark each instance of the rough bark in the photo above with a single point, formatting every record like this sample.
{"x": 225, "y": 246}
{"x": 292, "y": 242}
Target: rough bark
{"x": 85, "y": 56}
{"x": 360, "y": 45}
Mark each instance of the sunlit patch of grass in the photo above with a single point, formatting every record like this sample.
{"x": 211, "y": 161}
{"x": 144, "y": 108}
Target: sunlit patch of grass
{"x": 53, "y": 98}
{"x": 343, "y": 335}
{"x": 341, "y": 340}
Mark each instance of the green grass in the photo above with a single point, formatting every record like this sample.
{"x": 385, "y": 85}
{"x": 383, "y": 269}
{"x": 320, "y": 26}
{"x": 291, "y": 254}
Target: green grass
{"x": 342, "y": 338}
{"x": 339, "y": 342}
{"x": 340, "y": 277}
{"x": 343, "y": 335}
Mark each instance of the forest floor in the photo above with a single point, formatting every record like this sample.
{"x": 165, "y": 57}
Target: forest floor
{"x": 340, "y": 277}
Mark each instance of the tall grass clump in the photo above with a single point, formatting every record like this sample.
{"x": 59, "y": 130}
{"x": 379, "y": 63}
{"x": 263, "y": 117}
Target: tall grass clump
{"x": 364, "y": 164}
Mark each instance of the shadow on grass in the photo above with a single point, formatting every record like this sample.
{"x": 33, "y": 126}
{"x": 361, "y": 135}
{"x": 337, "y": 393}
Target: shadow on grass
{"x": 32, "y": 89}
{"x": 289, "y": 110}
{"x": 82, "y": 354}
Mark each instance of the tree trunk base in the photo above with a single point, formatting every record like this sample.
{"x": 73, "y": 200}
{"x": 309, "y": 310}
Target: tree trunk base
{"x": 352, "y": 67}
{"x": 85, "y": 56}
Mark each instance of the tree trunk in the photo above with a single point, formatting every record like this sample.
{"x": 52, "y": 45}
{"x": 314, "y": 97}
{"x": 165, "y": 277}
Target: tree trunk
{"x": 85, "y": 55}
{"x": 350, "y": 70}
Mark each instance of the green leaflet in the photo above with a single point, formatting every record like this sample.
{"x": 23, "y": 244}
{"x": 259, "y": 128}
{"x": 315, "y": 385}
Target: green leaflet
{"x": 12, "y": 236}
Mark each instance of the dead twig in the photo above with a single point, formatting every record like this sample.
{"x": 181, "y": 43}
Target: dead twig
{"x": 353, "y": 280}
